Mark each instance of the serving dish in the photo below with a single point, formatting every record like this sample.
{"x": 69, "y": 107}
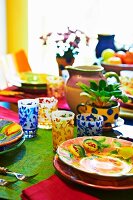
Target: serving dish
{"x": 10, "y": 132}
{"x": 84, "y": 179}
{"x": 116, "y": 67}
{"x": 99, "y": 156}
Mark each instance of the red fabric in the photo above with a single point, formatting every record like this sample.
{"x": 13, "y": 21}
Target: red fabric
{"x": 55, "y": 189}
{"x": 8, "y": 114}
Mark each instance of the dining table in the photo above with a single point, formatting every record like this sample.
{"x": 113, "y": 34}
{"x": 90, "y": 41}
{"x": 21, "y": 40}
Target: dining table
{"x": 49, "y": 180}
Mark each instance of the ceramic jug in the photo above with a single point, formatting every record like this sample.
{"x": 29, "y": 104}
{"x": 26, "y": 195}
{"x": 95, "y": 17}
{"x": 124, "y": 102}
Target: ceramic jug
{"x": 104, "y": 42}
{"x": 82, "y": 74}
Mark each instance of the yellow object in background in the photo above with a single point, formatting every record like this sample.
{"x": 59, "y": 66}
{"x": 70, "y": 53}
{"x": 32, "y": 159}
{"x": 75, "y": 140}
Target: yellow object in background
{"x": 107, "y": 53}
{"x": 17, "y": 25}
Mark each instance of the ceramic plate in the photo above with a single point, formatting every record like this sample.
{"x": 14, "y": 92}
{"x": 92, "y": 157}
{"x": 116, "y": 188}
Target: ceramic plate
{"x": 10, "y": 132}
{"x": 33, "y": 89}
{"x": 127, "y": 105}
{"x": 29, "y": 78}
{"x": 31, "y": 82}
{"x": 13, "y": 146}
{"x": 99, "y": 156}
{"x": 10, "y": 93}
{"x": 84, "y": 179}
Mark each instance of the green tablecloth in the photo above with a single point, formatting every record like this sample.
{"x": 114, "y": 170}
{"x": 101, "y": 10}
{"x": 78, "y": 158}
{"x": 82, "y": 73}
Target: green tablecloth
{"x": 34, "y": 155}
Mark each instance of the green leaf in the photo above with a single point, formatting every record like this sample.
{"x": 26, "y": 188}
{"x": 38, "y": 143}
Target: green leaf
{"x": 124, "y": 98}
{"x": 113, "y": 152}
{"x": 95, "y": 93}
{"x": 93, "y": 85}
{"x": 105, "y": 145}
{"x": 118, "y": 144}
{"x": 102, "y": 139}
{"x": 102, "y": 84}
{"x": 105, "y": 99}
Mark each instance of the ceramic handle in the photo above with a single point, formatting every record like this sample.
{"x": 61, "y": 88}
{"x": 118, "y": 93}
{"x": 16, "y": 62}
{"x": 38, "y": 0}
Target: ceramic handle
{"x": 112, "y": 74}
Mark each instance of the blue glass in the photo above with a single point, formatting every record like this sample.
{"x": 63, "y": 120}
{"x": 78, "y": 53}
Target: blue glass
{"x": 28, "y": 116}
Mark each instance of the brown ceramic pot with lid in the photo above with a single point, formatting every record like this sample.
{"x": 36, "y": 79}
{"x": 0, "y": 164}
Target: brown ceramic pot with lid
{"x": 82, "y": 74}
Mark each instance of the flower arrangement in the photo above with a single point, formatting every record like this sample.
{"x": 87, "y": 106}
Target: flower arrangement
{"x": 67, "y": 43}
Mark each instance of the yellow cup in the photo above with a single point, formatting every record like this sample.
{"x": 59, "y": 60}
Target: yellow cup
{"x": 62, "y": 127}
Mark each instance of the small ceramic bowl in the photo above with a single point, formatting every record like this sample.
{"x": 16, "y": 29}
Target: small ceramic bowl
{"x": 89, "y": 124}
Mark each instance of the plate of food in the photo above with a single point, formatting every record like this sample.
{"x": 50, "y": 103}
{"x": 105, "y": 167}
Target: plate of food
{"x": 126, "y": 79}
{"x": 100, "y": 156}
{"x": 85, "y": 179}
{"x": 10, "y": 132}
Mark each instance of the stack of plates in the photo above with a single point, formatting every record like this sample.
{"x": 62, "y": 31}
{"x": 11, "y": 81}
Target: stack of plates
{"x": 11, "y": 135}
{"x": 99, "y": 161}
{"x": 31, "y": 82}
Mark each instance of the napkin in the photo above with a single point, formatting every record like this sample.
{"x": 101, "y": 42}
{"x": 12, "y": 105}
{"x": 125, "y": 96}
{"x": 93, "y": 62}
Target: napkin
{"x": 55, "y": 188}
{"x": 5, "y": 113}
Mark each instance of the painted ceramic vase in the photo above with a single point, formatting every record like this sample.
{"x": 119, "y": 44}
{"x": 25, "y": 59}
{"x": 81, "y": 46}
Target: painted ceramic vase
{"x": 104, "y": 42}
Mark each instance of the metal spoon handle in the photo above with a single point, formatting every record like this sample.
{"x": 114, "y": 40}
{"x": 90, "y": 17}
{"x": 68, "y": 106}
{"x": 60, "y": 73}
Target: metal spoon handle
{"x": 17, "y": 175}
{"x": 4, "y": 170}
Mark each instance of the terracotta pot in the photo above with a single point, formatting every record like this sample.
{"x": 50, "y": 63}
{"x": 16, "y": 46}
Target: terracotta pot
{"x": 63, "y": 62}
{"x": 110, "y": 115}
{"x": 82, "y": 74}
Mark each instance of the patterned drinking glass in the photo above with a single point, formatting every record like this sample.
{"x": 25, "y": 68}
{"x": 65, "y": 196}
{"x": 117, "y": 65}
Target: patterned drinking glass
{"x": 28, "y": 116}
{"x": 62, "y": 127}
{"x": 46, "y": 106}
